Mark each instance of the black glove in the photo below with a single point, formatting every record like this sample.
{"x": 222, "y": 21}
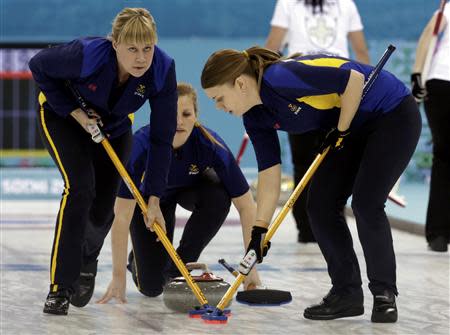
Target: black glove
{"x": 334, "y": 139}
{"x": 256, "y": 243}
{"x": 418, "y": 91}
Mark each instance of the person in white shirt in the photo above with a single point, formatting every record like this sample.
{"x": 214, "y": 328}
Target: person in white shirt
{"x": 314, "y": 27}
{"x": 318, "y": 26}
{"x": 437, "y": 110}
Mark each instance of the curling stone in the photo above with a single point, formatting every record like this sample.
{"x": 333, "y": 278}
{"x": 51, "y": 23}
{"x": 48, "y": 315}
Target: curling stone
{"x": 178, "y": 296}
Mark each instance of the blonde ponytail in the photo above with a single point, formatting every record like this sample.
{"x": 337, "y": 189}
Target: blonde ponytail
{"x": 208, "y": 135}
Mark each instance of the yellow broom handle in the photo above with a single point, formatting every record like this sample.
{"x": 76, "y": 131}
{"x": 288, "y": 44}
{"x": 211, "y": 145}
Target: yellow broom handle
{"x": 230, "y": 292}
{"x": 158, "y": 230}
{"x": 294, "y": 196}
{"x": 276, "y": 223}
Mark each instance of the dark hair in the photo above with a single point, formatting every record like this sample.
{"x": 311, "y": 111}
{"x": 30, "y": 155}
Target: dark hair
{"x": 225, "y": 65}
{"x": 315, "y": 4}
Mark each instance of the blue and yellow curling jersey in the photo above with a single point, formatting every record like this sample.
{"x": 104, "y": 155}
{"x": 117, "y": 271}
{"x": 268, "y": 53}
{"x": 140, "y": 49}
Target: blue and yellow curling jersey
{"x": 303, "y": 94}
{"x": 91, "y": 66}
{"x": 189, "y": 162}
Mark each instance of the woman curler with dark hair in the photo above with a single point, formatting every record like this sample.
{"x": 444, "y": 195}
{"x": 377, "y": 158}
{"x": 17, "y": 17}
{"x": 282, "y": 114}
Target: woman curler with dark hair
{"x": 371, "y": 139}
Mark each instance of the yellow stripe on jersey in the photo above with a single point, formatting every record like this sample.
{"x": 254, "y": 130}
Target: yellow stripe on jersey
{"x": 325, "y": 101}
{"x": 131, "y": 117}
{"x": 330, "y": 62}
{"x": 42, "y": 100}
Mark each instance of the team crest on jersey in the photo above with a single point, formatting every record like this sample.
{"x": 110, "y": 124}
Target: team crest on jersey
{"x": 294, "y": 108}
{"x": 321, "y": 30}
{"x": 140, "y": 90}
{"x": 193, "y": 169}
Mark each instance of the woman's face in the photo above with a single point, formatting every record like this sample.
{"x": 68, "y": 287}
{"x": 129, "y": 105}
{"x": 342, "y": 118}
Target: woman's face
{"x": 231, "y": 98}
{"x": 134, "y": 58}
{"x": 185, "y": 120}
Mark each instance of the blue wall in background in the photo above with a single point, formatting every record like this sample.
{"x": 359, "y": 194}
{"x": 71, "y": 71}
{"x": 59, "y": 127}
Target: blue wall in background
{"x": 57, "y": 20}
{"x": 190, "y": 30}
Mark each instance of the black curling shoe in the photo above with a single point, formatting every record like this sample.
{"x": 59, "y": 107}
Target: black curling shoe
{"x": 335, "y": 306}
{"x": 438, "y": 244}
{"x": 57, "y": 302}
{"x": 384, "y": 308}
{"x": 86, "y": 285}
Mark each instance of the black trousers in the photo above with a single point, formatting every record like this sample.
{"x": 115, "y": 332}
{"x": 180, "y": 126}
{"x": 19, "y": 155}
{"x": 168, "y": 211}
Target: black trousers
{"x": 366, "y": 168}
{"x": 437, "y": 110}
{"x": 209, "y": 203}
{"x": 91, "y": 183}
{"x": 303, "y": 151}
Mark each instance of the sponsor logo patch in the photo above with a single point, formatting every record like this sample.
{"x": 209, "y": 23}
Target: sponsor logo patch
{"x": 193, "y": 169}
{"x": 294, "y": 108}
{"x": 140, "y": 90}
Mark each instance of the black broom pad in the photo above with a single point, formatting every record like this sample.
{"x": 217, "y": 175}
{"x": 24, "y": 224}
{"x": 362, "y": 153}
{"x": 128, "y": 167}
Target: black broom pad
{"x": 264, "y": 297}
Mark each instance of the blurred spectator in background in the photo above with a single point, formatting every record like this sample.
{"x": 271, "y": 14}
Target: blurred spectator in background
{"x": 435, "y": 95}
{"x": 312, "y": 27}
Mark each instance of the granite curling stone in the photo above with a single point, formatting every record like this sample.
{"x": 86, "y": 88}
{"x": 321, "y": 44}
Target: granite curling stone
{"x": 178, "y": 296}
